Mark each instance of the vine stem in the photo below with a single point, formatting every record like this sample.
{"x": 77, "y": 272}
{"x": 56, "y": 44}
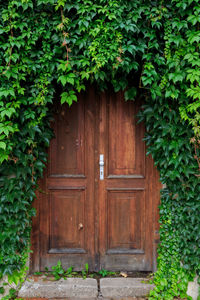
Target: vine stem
{"x": 64, "y": 34}
{"x": 196, "y": 156}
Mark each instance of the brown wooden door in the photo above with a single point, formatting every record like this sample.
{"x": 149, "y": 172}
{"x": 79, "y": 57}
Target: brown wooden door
{"x": 109, "y": 223}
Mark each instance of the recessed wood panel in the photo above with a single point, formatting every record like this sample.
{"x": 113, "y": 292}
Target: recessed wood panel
{"x": 125, "y": 218}
{"x": 126, "y": 149}
{"x": 67, "y": 216}
{"x": 67, "y": 148}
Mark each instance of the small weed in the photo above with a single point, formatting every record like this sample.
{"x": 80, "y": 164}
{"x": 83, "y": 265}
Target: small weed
{"x": 105, "y": 273}
{"x": 2, "y": 290}
{"x": 58, "y": 271}
{"x": 70, "y": 272}
{"x": 87, "y": 268}
{"x": 85, "y": 271}
{"x": 37, "y": 273}
{"x": 12, "y": 295}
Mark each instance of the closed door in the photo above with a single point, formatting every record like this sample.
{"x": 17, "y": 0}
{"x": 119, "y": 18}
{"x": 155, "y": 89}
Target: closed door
{"x": 100, "y": 191}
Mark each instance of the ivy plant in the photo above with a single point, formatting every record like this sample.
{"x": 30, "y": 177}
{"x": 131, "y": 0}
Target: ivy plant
{"x": 49, "y": 51}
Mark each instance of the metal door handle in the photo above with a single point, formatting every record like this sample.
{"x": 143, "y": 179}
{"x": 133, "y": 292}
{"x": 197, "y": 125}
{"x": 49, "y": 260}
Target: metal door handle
{"x": 101, "y": 164}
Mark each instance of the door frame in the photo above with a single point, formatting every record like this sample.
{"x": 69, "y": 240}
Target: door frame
{"x": 154, "y": 188}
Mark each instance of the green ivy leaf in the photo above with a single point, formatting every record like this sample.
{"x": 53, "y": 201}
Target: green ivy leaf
{"x": 2, "y": 145}
{"x": 130, "y": 94}
{"x": 68, "y": 97}
{"x": 69, "y": 78}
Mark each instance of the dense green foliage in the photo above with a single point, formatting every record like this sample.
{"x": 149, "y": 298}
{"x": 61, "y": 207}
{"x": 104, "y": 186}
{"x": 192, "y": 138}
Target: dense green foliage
{"x": 168, "y": 141}
{"x": 171, "y": 79}
{"x": 49, "y": 50}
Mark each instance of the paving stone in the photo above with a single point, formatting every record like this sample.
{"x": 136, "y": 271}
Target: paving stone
{"x": 122, "y": 298}
{"x": 71, "y": 298}
{"x": 98, "y": 298}
{"x": 193, "y": 289}
{"x": 70, "y": 288}
{"x": 122, "y": 288}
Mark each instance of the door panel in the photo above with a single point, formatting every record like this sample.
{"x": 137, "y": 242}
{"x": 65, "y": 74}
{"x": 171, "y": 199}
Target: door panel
{"x": 67, "y": 208}
{"x": 125, "y": 203}
{"x": 67, "y": 149}
{"x": 110, "y": 223}
{"x": 125, "y": 222}
{"x": 67, "y": 216}
{"x": 126, "y": 151}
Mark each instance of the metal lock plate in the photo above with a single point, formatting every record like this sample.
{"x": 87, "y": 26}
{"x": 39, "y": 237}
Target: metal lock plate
{"x": 101, "y": 164}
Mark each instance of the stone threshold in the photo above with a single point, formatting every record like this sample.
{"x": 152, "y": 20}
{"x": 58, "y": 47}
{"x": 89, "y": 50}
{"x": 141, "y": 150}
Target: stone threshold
{"x": 89, "y": 288}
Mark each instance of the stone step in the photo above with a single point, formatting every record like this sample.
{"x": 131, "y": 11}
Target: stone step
{"x": 98, "y": 298}
{"x": 72, "y": 287}
{"x": 80, "y": 289}
{"x": 124, "y": 287}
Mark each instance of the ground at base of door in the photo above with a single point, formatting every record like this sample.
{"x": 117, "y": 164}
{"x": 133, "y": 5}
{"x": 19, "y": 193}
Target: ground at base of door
{"x": 83, "y": 289}
{"x": 98, "y": 298}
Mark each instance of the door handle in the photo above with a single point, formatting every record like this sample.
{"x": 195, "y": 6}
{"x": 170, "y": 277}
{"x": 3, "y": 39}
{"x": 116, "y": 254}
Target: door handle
{"x": 101, "y": 166}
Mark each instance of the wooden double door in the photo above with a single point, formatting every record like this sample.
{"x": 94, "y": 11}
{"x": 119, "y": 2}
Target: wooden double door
{"x": 98, "y": 199}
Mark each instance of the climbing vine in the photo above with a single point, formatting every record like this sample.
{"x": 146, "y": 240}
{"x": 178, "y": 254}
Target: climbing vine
{"x": 49, "y": 51}
{"x": 172, "y": 119}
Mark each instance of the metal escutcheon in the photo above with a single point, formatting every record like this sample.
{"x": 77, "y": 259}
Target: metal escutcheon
{"x": 101, "y": 164}
{"x": 80, "y": 226}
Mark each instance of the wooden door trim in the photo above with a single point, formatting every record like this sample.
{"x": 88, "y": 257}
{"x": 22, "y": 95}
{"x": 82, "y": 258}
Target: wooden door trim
{"x": 55, "y": 188}
{"x": 34, "y": 263}
{"x": 125, "y": 189}
{"x": 125, "y": 176}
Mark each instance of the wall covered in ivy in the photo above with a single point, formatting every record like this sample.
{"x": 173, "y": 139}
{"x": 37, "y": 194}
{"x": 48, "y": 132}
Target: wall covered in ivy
{"x": 51, "y": 49}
